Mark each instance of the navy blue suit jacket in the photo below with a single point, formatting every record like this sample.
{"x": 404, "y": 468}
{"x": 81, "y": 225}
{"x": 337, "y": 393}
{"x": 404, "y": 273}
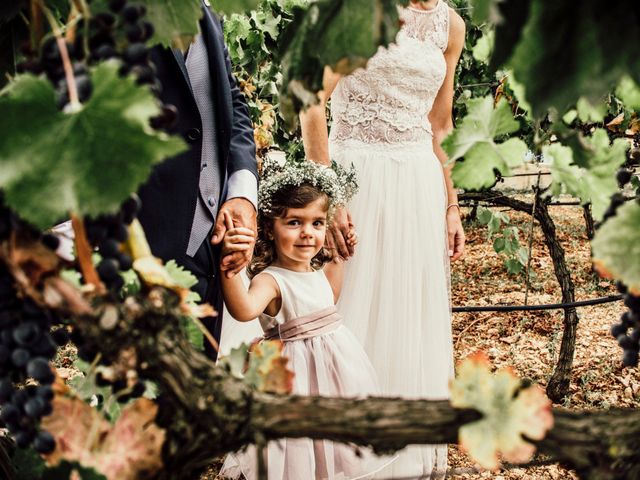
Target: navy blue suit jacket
{"x": 169, "y": 196}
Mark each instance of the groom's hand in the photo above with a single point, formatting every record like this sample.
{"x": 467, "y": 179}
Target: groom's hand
{"x": 339, "y": 232}
{"x": 243, "y": 214}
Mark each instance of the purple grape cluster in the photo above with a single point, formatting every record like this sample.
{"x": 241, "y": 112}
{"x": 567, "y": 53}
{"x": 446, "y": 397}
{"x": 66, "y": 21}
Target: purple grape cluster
{"x": 122, "y": 33}
{"x": 28, "y": 342}
{"x": 627, "y": 330}
{"x": 107, "y": 233}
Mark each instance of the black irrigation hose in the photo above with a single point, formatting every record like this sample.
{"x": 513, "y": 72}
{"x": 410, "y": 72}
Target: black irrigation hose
{"x": 548, "y": 306}
{"x": 551, "y": 204}
{"x": 530, "y": 174}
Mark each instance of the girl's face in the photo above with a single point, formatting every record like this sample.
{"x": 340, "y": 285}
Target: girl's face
{"x": 300, "y": 235}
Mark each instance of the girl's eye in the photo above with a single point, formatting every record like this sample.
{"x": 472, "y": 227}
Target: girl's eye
{"x": 319, "y": 223}
{"x": 293, "y": 222}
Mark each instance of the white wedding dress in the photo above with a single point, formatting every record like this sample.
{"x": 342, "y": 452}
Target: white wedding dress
{"x": 395, "y": 297}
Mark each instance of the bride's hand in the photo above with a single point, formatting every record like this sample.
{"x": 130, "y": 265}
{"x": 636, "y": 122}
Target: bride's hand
{"x": 455, "y": 233}
{"x": 338, "y": 234}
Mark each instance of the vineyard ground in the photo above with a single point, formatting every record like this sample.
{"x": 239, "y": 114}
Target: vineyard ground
{"x": 528, "y": 342}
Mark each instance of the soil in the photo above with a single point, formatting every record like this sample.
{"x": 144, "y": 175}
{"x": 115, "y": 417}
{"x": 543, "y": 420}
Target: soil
{"x": 528, "y": 342}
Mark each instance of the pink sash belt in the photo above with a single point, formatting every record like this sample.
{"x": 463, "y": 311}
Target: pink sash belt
{"x": 317, "y": 323}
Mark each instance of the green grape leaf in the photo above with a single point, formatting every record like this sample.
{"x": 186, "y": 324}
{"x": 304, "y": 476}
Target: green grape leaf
{"x": 174, "y": 20}
{"x": 486, "y": 11}
{"x": 513, "y": 266}
{"x": 73, "y": 277}
{"x": 570, "y": 116}
{"x": 484, "y": 215}
{"x": 132, "y": 283}
{"x": 482, "y": 123}
{"x": 474, "y": 141}
{"x": 180, "y": 275}
{"x": 85, "y": 387}
{"x": 183, "y": 278}
{"x": 617, "y": 243}
{"x": 566, "y": 52}
{"x": 522, "y": 254}
{"x": 499, "y": 244}
{"x": 509, "y": 413}
{"x": 629, "y": 93}
{"x": 86, "y": 162}
{"x": 234, "y": 6}
{"x": 588, "y": 112}
{"x": 236, "y": 360}
{"x": 349, "y": 31}
{"x": 595, "y": 182}
{"x": 483, "y": 47}
{"x": 193, "y": 332}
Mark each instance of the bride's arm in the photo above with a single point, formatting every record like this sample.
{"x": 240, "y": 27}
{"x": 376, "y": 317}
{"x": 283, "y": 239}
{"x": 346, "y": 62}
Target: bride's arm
{"x": 313, "y": 122}
{"x": 442, "y": 125}
{"x": 315, "y": 137}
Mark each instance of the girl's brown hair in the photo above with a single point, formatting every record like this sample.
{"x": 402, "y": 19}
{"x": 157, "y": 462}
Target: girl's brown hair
{"x": 291, "y": 196}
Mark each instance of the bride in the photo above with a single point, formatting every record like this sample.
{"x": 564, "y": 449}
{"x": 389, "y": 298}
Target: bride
{"x": 388, "y": 120}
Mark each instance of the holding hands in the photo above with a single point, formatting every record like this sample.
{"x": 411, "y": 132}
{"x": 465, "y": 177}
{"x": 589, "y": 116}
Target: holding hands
{"x": 237, "y": 244}
{"x": 342, "y": 237}
{"x": 241, "y": 212}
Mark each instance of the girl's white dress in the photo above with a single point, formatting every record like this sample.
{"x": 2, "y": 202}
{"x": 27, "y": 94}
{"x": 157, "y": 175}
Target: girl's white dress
{"x": 327, "y": 360}
{"x": 395, "y": 297}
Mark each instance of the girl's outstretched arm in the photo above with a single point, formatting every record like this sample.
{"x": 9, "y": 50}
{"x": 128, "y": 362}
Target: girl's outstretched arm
{"x": 243, "y": 304}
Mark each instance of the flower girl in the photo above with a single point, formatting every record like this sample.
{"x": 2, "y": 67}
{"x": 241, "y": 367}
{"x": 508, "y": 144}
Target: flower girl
{"x": 293, "y": 291}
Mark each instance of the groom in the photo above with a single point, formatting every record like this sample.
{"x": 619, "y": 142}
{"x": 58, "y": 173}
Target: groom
{"x": 186, "y": 194}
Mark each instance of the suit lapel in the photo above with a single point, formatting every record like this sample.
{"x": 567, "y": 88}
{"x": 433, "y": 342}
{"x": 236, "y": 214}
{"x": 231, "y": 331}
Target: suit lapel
{"x": 183, "y": 67}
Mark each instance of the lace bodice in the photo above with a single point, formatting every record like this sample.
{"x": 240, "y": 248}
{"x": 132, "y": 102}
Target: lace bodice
{"x": 389, "y": 101}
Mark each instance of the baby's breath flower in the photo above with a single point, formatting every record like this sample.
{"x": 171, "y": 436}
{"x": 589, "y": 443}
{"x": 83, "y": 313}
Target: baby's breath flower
{"x": 336, "y": 181}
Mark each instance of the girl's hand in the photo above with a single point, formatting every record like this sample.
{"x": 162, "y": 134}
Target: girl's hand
{"x": 455, "y": 232}
{"x": 236, "y": 239}
{"x": 352, "y": 238}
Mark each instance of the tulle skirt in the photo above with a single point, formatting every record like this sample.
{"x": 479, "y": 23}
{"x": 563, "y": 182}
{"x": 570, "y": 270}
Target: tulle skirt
{"x": 396, "y": 292}
{"x": 332, "y": 365}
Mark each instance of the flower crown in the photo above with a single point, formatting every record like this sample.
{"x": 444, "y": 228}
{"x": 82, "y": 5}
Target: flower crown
{"x": 336, "y": 181}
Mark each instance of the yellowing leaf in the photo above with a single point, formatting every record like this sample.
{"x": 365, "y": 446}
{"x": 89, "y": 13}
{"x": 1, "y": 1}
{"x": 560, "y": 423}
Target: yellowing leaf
{"x": 134, "y": 444}
{"x": 267, "y": 370}
{"x": 508, "y": 414}
{"x": 152, "y": 272}
{"x": 150, "y": 268}
{"x": 125, "y": 451}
